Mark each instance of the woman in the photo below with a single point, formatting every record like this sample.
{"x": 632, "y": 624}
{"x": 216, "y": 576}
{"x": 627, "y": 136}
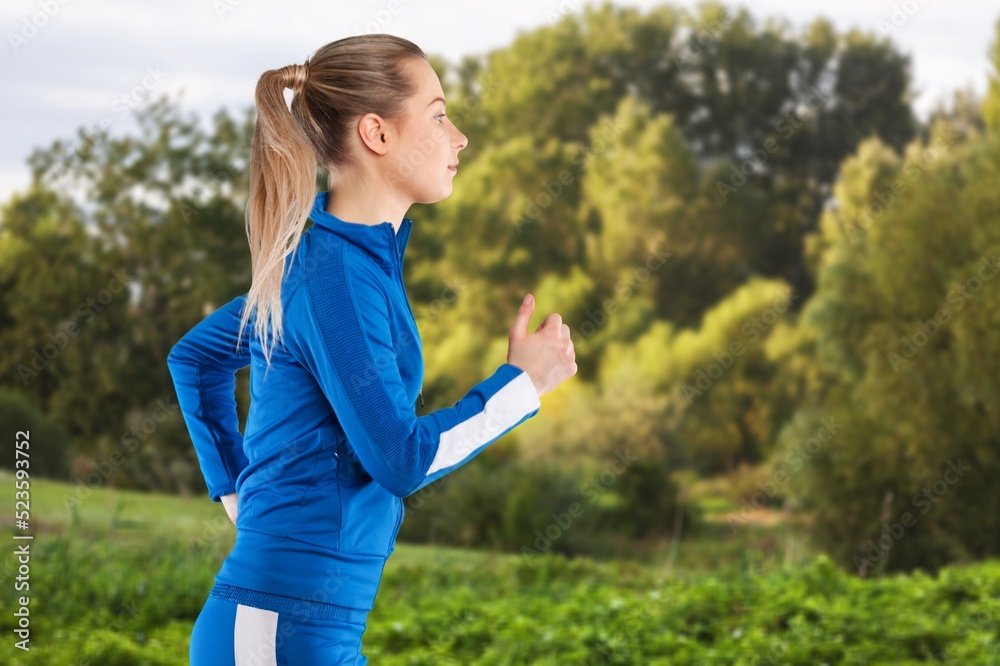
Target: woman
{"x": 333, "y": 444}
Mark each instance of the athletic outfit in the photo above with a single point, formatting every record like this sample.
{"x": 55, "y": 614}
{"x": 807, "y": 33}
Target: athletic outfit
{"x": 332, "y": 445}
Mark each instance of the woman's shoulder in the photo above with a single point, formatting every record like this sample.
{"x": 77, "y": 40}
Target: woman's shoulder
{"x": 329, "y": 290}
{"x": 330, "y": 269}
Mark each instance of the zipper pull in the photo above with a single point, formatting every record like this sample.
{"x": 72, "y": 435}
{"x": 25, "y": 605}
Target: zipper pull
{"x": 421, "y": 396}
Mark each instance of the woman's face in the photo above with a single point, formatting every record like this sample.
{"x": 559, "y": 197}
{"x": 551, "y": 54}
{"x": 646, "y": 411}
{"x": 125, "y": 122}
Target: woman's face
{"x": 427, "y": 141}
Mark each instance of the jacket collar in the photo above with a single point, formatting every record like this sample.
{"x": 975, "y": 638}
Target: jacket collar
{"x": 380, "y": 240}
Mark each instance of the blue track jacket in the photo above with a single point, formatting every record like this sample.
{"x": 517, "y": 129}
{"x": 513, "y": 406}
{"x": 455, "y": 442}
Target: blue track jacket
{"x": 332, "y": 441}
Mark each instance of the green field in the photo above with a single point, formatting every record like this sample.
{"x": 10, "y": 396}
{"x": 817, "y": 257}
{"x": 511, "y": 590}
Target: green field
{"x": 121, "y": 579}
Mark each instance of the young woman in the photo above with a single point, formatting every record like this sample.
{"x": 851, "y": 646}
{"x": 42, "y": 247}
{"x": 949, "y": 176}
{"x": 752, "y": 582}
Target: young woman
{"x": 332, "y": 443}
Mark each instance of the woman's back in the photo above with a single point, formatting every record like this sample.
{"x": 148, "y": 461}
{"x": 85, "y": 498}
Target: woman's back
{"x": 305, "y": 499}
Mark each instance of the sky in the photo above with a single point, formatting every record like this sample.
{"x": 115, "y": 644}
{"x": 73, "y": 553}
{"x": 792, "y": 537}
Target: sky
{"x": 67, "y": 64}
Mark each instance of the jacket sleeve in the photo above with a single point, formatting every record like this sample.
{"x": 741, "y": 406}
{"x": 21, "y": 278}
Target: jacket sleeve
{"x": 342, "y": 335}
{"x": 203, "y": 365}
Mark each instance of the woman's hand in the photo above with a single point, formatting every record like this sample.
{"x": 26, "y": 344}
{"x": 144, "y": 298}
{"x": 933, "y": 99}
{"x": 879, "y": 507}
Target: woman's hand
{"x": 232, "y": 505}
{"x": 547, "y": 355}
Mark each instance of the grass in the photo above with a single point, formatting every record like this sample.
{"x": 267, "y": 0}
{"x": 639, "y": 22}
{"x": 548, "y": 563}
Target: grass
{"x": 727, "y": 598}
{"x": 130, "y": 517}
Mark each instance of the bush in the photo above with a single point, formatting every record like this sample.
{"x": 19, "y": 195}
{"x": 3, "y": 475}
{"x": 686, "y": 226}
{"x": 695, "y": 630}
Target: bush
{"x": 49, "y": 445}
{"x": 487, "y": 610}
{"x": 518, "y": 506}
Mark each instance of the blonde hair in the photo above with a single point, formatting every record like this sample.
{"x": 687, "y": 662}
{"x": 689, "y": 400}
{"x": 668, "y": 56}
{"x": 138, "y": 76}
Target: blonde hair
{"x": 337, "y": 84}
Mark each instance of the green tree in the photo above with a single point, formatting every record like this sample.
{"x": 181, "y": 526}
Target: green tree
{"x": 730, "y": 86}
{"x": 902, "y": 332}
{"x": 157, "y": 242}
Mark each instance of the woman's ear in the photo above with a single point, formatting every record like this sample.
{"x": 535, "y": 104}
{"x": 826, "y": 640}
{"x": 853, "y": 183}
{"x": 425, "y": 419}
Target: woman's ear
{"x": 372, "y": 130}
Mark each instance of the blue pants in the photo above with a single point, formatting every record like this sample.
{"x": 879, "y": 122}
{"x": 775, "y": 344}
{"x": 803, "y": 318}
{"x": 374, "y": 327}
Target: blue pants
{"x": 228, "y": 632}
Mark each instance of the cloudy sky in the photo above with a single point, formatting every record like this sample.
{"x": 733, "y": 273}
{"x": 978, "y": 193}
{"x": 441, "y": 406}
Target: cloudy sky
{"x": 69, "y": 64}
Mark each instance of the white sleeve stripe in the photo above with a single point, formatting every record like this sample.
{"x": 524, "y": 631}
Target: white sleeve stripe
{"x": 505, "y": 409}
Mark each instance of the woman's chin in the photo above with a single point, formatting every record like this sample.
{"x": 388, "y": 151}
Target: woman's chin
{"x": 441, "y": 196}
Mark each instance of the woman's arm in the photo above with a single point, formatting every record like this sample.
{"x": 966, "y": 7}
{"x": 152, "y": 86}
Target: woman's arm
{"x": 342, "y": 334}
{"x": 203, "y": 365}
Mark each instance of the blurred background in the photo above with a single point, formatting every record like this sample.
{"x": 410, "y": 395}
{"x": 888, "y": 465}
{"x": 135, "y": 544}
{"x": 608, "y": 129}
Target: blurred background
{"x": 772, "y": 227}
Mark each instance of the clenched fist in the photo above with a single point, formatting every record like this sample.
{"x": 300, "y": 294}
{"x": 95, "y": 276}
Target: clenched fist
{"x": 547, "y": 355}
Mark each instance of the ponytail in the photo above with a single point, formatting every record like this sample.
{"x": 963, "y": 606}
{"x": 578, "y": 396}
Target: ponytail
{"x": 282, "y": 188}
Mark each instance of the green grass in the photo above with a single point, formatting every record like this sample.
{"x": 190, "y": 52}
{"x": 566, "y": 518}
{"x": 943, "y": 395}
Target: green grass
{"x": 439, "y": 605}
{"x": 130, "y": 517}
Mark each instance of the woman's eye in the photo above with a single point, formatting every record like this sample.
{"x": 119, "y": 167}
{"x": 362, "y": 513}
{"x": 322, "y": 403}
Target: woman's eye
{"x": 440, "y": 115}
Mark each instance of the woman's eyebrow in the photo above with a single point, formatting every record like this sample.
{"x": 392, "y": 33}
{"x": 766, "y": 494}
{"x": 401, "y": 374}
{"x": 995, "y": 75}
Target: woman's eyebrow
{"x": 436, "y": 99}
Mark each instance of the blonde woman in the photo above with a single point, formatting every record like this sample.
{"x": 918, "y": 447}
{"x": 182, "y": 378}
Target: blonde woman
{"x": 332, "y": 443}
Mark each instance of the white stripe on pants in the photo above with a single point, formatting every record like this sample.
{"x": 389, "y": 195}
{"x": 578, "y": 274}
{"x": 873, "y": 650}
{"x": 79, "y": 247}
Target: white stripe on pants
{"x": 254, "y": 636}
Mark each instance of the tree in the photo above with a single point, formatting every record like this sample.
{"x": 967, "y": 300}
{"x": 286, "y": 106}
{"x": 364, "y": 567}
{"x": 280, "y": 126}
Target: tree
{"x": 157, "y": 242}
{"x": 762, "y": 111}
{"x": 902, "y": 329}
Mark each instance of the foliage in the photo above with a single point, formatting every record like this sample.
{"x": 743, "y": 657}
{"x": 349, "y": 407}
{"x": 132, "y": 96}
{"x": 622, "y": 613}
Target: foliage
{"x": 47, "y": 444}
{"x": 535, "y": 507}
{"x": 100, "y": 602}
{"x": 905, "y": 358}
{"x": 695, "y": 191}
{"x": 121, "y": 577}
